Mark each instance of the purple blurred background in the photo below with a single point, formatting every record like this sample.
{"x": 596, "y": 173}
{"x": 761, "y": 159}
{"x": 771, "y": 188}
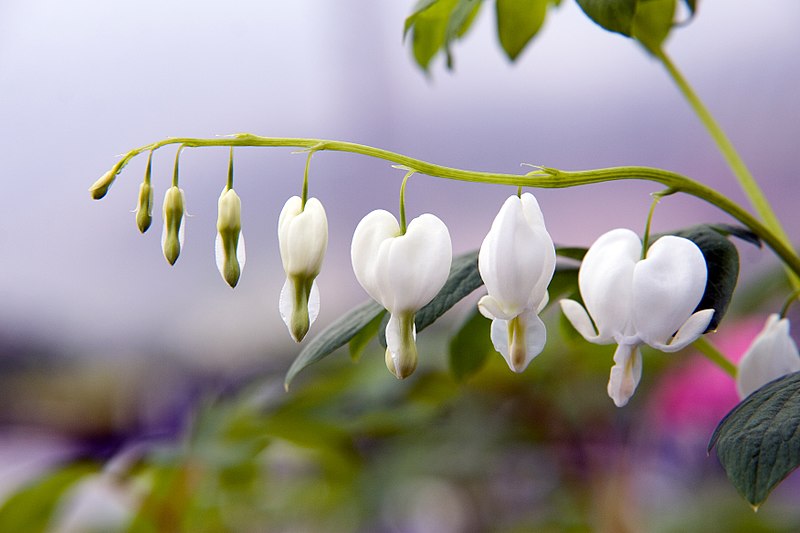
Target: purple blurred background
{"x": 83, "y": 81}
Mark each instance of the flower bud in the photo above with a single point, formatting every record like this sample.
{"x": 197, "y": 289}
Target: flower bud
{"x": 230, "y": 242}
{"x": 172, "y": 236}
{"x": 100, "y": 187}
{"x": 773, "y": 354}
{"x": 303, "y": 240}
{"x": 144, "y": 210}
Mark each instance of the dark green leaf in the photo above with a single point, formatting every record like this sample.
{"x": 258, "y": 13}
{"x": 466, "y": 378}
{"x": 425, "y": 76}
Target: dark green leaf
{"x": 692, "y": 5}
{"x": 737, "y": 231}
{"x": 335, "y": 336}
{"x": 613, "y": 15}
{"x": 517, "y": 22}
{"x": 359, "y": 342}
{"x": 564, "y": 283}
{"x": 462, "y": 280}
{"x": 649, "y": 21}
{"x": 31, "y": 509}
{"x": 722, "y": 260}
{"x": 758, "y": 443}
{"x": 571, "y": 252}
{"x": 471, "y": 346}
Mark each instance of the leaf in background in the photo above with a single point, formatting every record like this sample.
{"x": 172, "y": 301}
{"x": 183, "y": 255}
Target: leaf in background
{"x": 653, "y": 22}
{"x": 568, "y": 252}
{"x": 360, "y": 340}
{"x": 335, "y": 336}
{"x": 722, "y": 260}
{"x": 758, "y": 443}
{"x": 462, "y": 280}
{"x": 435, "y": 24}
{"x": 564, "y": 283}
{"x": 471, "y": 346}
{"x": 517, "y": 23}
{"x": 31, "y": 509}
{"x": 648, "y": 21}
{"x": 692, "y": 5}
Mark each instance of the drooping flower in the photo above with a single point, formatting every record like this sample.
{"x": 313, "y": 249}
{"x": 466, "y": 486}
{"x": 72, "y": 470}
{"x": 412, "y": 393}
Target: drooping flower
{"x": 172, "y": 236}
{"x": 303, "y": 239}
{"x": 772, "y": 354}
{"x": 402, "y": 272}
{"x": 229, "y": 244}
{"x": 516, "y": 262}
{"x": 144, "y": 208}
{"x": 634, "y": 301}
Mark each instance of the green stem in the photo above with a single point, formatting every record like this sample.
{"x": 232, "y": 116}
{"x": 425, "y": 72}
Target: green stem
{"x": 229, "y": 185}
{"x": 304, "y": 195}
{"x": 403, "y": 202}
{"x": 715, "y": 356}
{"x": 646, "y": 238}
{"x": 732, "y": 157}
{"x": 542, "y": 177}
{"x": 177, "y": 161}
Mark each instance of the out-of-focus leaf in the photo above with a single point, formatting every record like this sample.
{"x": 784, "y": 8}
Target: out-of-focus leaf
{"x": 335, "y": 336}
{"x": 435, "y": 24}
{"x": 648, "y": 21}
{"x": 722, "y": 261}
{"x": 692, "y": 5}
{"x": 758, "y": 443}
{"x": 471, "y": 346}
{"x": 653, "y": 22}
{"x": 571, "y": 252}
{"x": 564, "y": 283}
{"x": 518, "y": 21}
{"x": 462, "y": 280}
{"x": 359, "y": 342}
{"x": 31, "y": 509}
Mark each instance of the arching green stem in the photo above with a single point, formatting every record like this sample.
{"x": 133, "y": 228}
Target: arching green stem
{"x": 177, "y": 162}
{"x": 789, "y": 301}
{"x": 646, "y": 238}
{"x": 735, "y": 162}
{"x": 542, "y": 177}
{"x": 715, "y": 356}
{"x": 304, "y": 195}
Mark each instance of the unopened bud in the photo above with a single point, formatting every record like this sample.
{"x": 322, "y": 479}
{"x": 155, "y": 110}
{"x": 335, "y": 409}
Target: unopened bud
{"x": 230, "y": 242}
{"x": 172, "y": 237}
{"x": 401, "y": 353}
{"x": 144, "y": 211}
{"x": 100, "y": 187}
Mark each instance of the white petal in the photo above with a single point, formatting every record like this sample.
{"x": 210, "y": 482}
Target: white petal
{"x": 304, "y": 239}
{"x": 313, "y": 303}
{"x": 690, "y": 331}
{"x": 517, "y": 257}
{"x": 773, "y": 354}
{"x": 285, "y": 303}
{"x": 519, "y": 355}
{"x": 580, "y": 320}
{"x": 625, "y": 374}
{"x": 605, "y": 281}
{"x": 376, "y": 227}
{"x": 411, "y": 269}
{"x": 241, "y": 255}
{"x": 290, "y": 210}
{"x": 667, "y": 286}
{"x": 489, "y": 308}
{"x": 219, "y": 254}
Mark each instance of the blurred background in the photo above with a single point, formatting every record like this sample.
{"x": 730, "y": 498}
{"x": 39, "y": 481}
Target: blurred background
{"x": 104, "y": 346}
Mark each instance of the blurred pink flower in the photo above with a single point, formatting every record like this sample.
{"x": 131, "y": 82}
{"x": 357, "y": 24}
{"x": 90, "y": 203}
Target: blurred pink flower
{"x": 693, "y": 397}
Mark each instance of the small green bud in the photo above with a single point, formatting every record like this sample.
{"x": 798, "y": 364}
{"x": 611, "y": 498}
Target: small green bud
{"x": 172, "y": 237}
{"x": 144, "y": 216}
{"x": 100, "y": 187}
{"x": 400, "y": 333}
{"x": 230, "y": 242}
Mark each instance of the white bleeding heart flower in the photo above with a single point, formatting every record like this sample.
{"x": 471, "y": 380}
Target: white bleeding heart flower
{"x": 303, "y": 240}
{"x": 634, "y": 301}
{"x": 172, "y": 236}
{"x": 772, "y": 354}
{"x": 516, "y": 261}
{"x": 229, "y": 244}
{"x": 402, "y": 272}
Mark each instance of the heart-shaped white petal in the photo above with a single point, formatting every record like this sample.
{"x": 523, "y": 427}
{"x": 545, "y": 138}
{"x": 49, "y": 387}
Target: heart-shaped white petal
{"x": 625, "y": 374}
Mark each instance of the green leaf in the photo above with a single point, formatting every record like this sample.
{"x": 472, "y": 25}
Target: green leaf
{"x": 649, "y": 21}
{"x": 575, "y": 253}
{"x": 564, "y": 283}
{"x": 462, "y": 280}
{"x": 692, "y": 5}
{"x": 359, "y": 342}
{"x": 653, "y": 22}
{"x": 435, "y": 24}
{"x": 722, "y": 260}
{"x": 613, "y": 15}
{"x": 471, "y": 346}
{"x": 335, "y": 336}
{"x": 517, "y": 23}
{"x": 31, "y": 508}
{"x": 758, "y": 443}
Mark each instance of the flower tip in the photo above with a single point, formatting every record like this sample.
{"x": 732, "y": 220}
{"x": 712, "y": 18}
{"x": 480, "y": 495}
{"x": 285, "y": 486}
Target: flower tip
{"x": 100, "y": 187}
{"x": 401, "y": 367}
